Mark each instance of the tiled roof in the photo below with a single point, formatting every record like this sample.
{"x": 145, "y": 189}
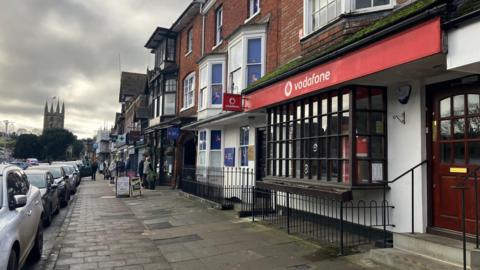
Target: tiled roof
{"x": 132, "y": 84}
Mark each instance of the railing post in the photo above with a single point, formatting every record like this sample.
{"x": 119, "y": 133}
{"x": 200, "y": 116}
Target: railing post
{"x": 384, "y": 204}
{"x": 288, "y": 212}
{"x": 463, "y": 230}
{"x": 341, "y": 228}
{"x": 253, "y": 204}
{"x": 413, "y": 203}
{"x": 476, "y": 208}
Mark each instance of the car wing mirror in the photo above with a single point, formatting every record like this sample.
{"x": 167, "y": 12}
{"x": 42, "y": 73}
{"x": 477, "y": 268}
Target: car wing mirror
{"x": 19, "y": 201}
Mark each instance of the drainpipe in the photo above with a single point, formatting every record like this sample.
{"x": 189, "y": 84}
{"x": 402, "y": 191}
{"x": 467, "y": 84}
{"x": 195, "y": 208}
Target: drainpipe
{"x": 203, "y": 29}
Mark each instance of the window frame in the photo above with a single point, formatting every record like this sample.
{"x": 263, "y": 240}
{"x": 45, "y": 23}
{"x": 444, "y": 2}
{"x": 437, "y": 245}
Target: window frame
{"x": 243, "y": 145}
{"x": 205, "y": 93}
{"x": 251, "y": 8}
{"x": 189, "y": 81}
{"x": 189, "y": 41}
{"x": 218, "y": 25}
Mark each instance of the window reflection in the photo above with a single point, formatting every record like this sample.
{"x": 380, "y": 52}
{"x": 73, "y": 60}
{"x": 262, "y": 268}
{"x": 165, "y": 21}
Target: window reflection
{"x": 459, "y": 105}
{"x": 445, "y": 108}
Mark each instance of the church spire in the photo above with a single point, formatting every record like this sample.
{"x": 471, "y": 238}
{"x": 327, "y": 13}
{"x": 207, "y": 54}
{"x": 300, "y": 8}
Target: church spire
{"x": 58, "y": 106}
{"x": 46, "y": 107}
{"x": 51, "y": 108}
{"x": 63, "y": 107}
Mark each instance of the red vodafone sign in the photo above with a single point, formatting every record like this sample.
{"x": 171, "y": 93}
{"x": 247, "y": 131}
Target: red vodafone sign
{"x": 412, "y": 44}
{"x": 232, "y": 102}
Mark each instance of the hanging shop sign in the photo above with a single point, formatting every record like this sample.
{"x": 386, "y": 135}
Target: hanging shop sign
{"x": 173, "y": 133}
{"x": 232, "y": 102}
{"x": 418, "y": 42}
{"x": 229, "y": 157}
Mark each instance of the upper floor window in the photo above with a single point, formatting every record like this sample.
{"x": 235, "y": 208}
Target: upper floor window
{"x": 253, "y": 7}
{"x": 217, "y": 84}
{"x": 319, "y": 13}
{"x": 169, "y": 97}
{"x": 218, "y": 25}
{"x": 211, "y": 83}
{"x": 235, "y": 61}
{"x": 254, "y": 60}
{"x": 190, "y": 40}
{"x": 188, "y": 91}
{"x": 171, "y": 49}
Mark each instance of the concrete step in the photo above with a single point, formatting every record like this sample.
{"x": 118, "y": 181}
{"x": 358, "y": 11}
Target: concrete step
{"x": 401, "y": 260}
{"x": 439, "y": 247}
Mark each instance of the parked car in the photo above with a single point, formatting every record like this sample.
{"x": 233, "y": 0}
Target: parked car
{"x": 74, "y": 167}
{"x": 70, "y": 177}
{"x": 32, "y": 161}
{"x": 44, "y": 181}
{"x": 21, "y": 211}
{"x": 63, "y": 186}
{"x": 22, "y": 165}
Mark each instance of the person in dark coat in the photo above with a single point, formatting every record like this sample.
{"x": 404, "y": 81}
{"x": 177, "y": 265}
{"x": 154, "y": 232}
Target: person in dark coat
{"x": 140, "y": 171}
{"x": 94, "y": 170}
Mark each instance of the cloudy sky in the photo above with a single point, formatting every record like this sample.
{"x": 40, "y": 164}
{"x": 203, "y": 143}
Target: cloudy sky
{"x": 70, "y": 49}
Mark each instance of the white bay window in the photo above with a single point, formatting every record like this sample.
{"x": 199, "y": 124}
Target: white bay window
{"x": 212, "y": 73}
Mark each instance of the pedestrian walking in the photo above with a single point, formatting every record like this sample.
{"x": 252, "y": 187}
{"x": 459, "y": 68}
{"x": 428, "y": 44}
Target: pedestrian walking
{"x": 94, "y": 170}
{"x": 147, "y": 169}
{"x": 140, "y": 171}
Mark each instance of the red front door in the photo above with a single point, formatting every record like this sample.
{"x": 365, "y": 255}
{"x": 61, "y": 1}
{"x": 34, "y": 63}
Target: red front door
{"x": 455, "y": 150}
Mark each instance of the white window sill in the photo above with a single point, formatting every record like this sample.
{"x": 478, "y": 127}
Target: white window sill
{"x": 185, "y": 108}
{"x": 373, "y": 9}
{"x": 188, "y": 53}
{"x": 217, "y": 45}
{"x": 253, "y": 16}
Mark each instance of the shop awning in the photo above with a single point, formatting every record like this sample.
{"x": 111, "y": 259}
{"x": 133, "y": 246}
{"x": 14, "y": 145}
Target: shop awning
{"x": 420, "y": 41}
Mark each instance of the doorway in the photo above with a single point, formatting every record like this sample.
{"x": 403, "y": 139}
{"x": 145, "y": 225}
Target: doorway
{"x": 455, "y": 151}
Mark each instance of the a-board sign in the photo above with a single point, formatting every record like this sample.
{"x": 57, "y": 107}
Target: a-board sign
{"x": 136, "y": 186}
{"x": 123, "y": 186}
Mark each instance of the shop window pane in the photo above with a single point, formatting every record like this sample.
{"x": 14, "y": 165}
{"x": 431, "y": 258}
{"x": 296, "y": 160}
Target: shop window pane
{"x": 216, "y": 140}
{"x": 314, "y": 169}
{"x": 323, "y": 131}
{"x": 459, "y": 153}
{"x": 345, "y": 173}
{"x": 333, "y": 147}
{"x": 324, "y": 169}
{"x": 473, "y": 104}
{"x": 377, "y": 99}
{"x": 474, "y": 127}
{"x": 445, "y": 107}
{"x": 445, "y": 152}
{"x": 361, "y": 97}
{"x": 334, "y": 100}
{"x": 445, "y": 130}
{"x": 362, "y": 123}
{"x": 459, "y": 105}
{"x": 345, "y": 102}
{"x": 324, "y": 106}
{"x": 297, "y": 168}
{"x": 459, "y": 128}
{"x": 377, "y": 148}
{"x": 315, "y": 107}
{"x": 377, "y": 172}
{"x": 474, "y": 153}
{"x": 377, "y": 123}
{"x": 215, "y": 159}
{"x": 323, "y": 147}
{"x": 297, "y": 148}
{"x": 345, "y": 123}
{"x": 363, "y": 174}
{"x": 345, "y": 144}
{"x": 362, "y": 146}
{"x": 315, "y": 127}
{"x": 201, "y": 158}
{"x": 333, "y": 170}
{"x": 314, "y": 148}
{"x": 334, "y": 124}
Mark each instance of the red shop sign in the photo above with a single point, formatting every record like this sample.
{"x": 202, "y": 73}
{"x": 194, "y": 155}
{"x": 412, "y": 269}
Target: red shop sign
{"x": 420, "y": 41}
{"x": 232, "y": 102}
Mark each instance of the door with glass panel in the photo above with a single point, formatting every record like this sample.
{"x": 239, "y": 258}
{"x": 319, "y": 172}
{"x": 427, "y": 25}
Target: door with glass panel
{"x": 455, "y": 152}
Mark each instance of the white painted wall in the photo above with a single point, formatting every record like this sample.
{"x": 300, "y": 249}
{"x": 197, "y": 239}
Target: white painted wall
{"x": 406, "y": 148}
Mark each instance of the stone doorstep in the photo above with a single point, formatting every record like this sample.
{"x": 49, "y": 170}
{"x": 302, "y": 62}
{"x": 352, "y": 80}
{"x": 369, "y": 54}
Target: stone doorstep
{"x": 414, "y": 250}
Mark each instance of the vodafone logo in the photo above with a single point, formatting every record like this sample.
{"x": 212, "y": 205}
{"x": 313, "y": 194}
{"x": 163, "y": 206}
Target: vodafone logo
{"x": 232, "y": 101}
{"x": 288, "y": 88}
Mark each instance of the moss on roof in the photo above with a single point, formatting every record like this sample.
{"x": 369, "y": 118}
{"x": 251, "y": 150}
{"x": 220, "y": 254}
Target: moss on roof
{"x": 395, "y": 17}
{"x": 468, "y": 6}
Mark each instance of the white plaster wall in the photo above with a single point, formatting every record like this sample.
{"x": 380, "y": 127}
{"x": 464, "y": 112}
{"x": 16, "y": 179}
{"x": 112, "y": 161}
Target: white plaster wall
{"x": 463, "y": 53}
{"x": 406, "y": 148}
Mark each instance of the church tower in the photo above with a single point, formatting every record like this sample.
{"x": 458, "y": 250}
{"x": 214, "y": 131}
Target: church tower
{"x": 53, "y": 119}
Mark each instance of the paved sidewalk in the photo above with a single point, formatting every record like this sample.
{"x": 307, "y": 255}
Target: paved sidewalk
{"x": 162, "y": 230}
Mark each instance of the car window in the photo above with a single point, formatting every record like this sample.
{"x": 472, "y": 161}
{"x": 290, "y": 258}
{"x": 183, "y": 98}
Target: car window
{"x": 37, "y": 180}
{"x": 15, "y": 186}
{"x": 56, "y": 171}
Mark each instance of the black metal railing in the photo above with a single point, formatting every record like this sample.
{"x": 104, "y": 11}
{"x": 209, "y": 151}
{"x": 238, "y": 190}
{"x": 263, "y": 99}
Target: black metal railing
{"x": 225, "y": 186}
{"x": 462, "y": 187}
{"x": 325, "y": 220}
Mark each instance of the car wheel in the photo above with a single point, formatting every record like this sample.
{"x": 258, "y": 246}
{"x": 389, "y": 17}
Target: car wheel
{"x": 48, "y": 217}
{"x": 57, "y": 210}
{"x": 37, "y": 249}
{"x": 12, "y": 261}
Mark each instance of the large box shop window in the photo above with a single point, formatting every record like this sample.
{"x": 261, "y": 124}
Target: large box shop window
{"x": 335, "y": 137}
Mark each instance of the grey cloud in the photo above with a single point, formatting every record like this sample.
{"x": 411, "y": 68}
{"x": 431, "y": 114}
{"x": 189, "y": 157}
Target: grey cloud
{"x": 71, "y": 49}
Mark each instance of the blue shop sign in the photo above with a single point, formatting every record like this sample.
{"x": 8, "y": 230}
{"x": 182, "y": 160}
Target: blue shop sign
{"x": 173, "y": 133}
{"x": 229, "y": 157}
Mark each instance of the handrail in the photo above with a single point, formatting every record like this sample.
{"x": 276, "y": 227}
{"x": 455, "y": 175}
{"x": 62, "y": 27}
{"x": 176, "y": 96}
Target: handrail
{"x": 407, "y": 171}
{"x": 411, "y": 170}
{"x": 463, "y": 187}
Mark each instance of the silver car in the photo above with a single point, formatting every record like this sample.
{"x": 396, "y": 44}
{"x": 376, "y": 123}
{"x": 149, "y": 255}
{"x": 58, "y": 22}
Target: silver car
{"x": 21, "y": 211}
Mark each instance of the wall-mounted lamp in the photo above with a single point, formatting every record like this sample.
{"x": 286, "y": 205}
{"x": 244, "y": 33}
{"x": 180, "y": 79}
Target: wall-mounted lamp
{"x": 400, "y": 118}
{"x": 403, "y": 93}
